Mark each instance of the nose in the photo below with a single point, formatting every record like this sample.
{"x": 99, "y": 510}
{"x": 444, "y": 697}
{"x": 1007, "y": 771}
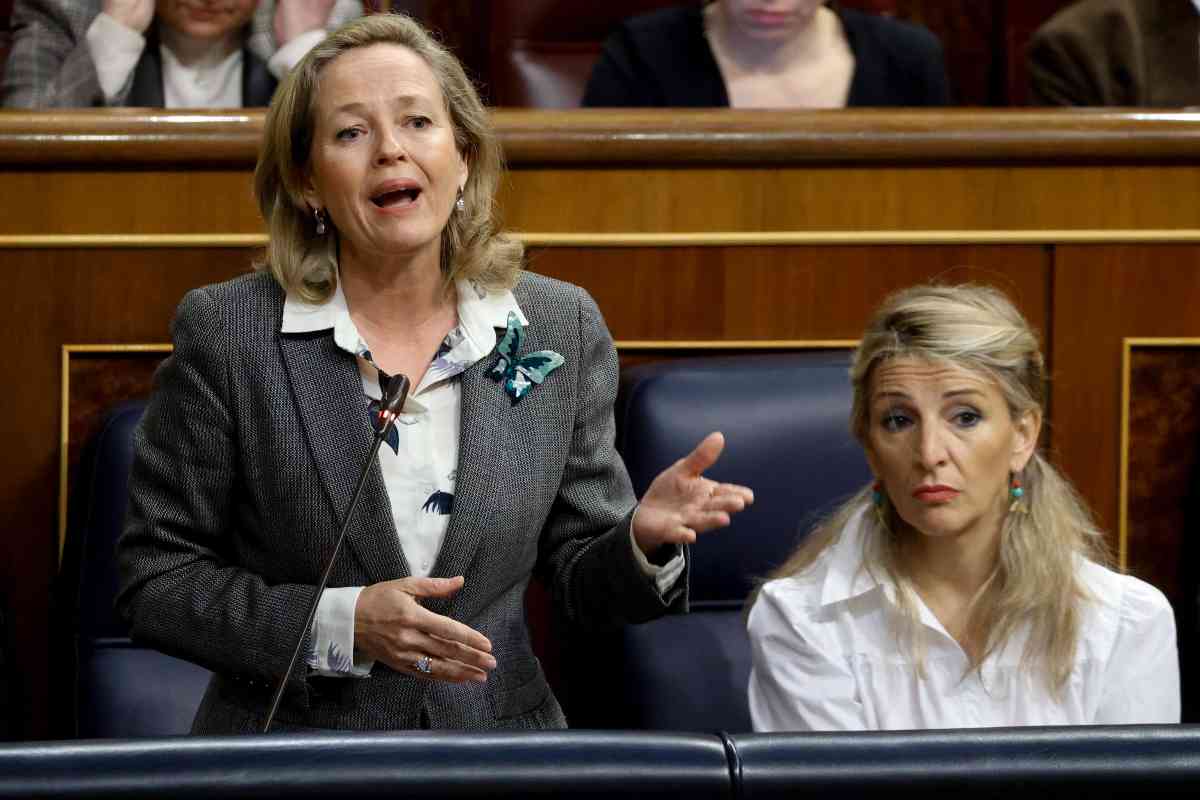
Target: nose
{"x": 931, "y": 447}
{"x": 389, "y": 148}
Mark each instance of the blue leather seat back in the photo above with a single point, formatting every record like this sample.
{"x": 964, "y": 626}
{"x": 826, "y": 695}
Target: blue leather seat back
{"x": 1030, "y": 763}
{"x": 121, "y": 690}
{"x": 413, "y": 765}
{"x": 786, "y": 423}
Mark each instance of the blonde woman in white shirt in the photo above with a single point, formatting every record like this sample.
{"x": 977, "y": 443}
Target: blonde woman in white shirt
{"x": 967, "y": 587}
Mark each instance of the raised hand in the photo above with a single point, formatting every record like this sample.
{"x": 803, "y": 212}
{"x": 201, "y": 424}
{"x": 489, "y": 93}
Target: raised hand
{"x": 391, "y": 626}
{"x": 682, "y": 503}
{"x": 133, "y": 14}
{"x": 294, "y": 17}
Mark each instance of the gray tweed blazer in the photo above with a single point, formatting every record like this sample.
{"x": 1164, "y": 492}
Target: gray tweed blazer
{"x": 246, "y": 460}
{"x": 50, "y": 64}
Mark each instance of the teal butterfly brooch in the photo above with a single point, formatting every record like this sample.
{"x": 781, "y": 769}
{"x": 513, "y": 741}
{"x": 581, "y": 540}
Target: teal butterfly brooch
{"x": 519, "y": 374}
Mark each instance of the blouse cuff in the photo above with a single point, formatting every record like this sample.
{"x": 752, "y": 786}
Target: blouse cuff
{"x": 288, "y": 56}
{"x": 332, "y": 639}
{"x": 666, "y": 576}
{"x": 115, "y": 50}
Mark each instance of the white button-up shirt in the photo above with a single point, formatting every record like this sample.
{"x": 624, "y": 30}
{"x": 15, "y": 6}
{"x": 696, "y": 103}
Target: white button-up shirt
{"x": 826, "y": 656}
{"x": 420, "y": 456}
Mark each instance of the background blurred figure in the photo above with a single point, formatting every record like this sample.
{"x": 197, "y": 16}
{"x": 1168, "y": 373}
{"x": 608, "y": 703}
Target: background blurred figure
{"x": 160, "y": 53}
{"x": 1118, "y": 53}
{"x": 966, "y": 588}
{"x": 768, "y": 54}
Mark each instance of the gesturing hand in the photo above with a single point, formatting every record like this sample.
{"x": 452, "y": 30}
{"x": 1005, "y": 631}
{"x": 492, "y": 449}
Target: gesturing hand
{"x": 681, "y": 502}
{"x": 294, "y": 17}
{"x": 391, "y": 626}
{"x": 133, "y": 14}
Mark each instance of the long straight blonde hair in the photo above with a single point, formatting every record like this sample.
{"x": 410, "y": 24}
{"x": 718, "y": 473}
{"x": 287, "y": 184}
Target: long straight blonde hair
{"x": 1035, "y": 578}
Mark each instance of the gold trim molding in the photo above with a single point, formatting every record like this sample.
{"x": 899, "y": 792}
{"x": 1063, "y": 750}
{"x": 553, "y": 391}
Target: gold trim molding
{"x": 69, "y": 350}
{"x": 1128, "y": 344}
{"x": 629, "y": 239}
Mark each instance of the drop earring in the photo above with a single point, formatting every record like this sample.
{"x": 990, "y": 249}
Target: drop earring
{"x": 879, "y": 503}
{"x": 319, "y": 215}
{"x": 1016, "y": 494}
{"x": 460, "y": 204}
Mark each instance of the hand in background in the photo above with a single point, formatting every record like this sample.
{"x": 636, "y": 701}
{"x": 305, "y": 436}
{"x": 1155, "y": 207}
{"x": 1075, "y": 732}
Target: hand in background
{"x": 294, "y": 17}
{"x": 390, "y": 626}
{"x": 682, "y": 503}
{"x": 133, "y": 14}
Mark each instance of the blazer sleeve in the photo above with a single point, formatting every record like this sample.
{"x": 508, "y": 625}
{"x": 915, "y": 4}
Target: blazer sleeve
{"x": 181, "y": 588}
{"x": 586, "y": 554}
{"x": 50, "y": 64}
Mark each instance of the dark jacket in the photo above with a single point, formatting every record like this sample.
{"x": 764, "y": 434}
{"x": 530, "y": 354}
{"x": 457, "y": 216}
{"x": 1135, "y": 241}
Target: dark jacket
{"x": 663, "y": 59}
{"x": 1118, "y": 53}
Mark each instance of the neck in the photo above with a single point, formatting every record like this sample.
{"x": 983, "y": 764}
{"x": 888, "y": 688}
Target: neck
{"x": 755, "y": 54}
{"x": 952, "y": 565}
{"x": 394, "y": 296}
{"x": 190, "y": 50}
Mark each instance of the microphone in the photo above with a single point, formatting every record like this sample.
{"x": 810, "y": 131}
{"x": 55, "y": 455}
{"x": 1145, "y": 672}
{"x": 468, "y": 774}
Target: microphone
{"x": 394, "y": 394}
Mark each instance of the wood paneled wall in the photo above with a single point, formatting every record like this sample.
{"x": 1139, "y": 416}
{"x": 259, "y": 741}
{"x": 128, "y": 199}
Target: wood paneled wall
{"x": 704, "y": 229}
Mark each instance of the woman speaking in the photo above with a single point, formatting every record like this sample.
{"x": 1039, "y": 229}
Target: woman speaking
{"x": 376, "y": 180}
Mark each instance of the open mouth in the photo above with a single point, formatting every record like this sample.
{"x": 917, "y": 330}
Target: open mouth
{"x": 397, "y": 197}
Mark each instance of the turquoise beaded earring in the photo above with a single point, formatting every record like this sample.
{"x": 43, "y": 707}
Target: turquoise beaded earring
{"x": 1016, "y": 493}
{"x": 879, "y": 503}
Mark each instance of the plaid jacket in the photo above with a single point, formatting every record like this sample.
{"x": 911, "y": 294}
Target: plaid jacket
{"x": 247, "y": 458}
{"x": 50, "y": 64}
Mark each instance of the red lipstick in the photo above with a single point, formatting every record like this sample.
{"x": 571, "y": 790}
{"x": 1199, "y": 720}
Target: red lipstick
{"x": 937, "y": 493}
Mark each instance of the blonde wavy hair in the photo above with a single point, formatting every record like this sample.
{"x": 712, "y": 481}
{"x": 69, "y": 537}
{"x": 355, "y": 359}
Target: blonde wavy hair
{"x": 472, "y": 247}
{"x": 1034, "y": 580}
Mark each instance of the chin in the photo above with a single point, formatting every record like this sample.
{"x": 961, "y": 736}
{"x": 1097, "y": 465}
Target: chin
{"x": 935, "y": 523}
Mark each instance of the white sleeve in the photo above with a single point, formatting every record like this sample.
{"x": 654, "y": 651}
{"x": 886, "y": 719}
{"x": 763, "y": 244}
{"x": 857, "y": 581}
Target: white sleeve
{"x": 666, "y": 576}
{"x": 115, "y": 51}
{"x": 332, "y": 639}
{"x": 1141, "y": 682}
{"x": 794, "y": 686}
{"x": 288, "y": 56}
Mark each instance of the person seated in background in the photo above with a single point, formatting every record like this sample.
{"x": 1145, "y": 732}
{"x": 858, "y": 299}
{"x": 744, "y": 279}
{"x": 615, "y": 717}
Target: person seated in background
{"x": 768, "y": 54}
{"x": 160, "y": 53}
{"x": 1118, "y": 53}
{"x": 967, "y": 586}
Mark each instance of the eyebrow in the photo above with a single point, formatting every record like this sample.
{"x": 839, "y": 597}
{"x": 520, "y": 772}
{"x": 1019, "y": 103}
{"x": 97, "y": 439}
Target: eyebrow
{"x": 953, "y": 393}
{"x": 406, "y": 100}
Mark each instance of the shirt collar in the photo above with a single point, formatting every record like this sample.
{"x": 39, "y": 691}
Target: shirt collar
{"x": 479, "y": 313}
{"x": 847, "y": 575}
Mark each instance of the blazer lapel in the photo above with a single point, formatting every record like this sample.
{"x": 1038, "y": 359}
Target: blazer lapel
{"x": 146, "y": 90}
{"x": 481, "y": 476}
{"x": 258, "y": 84}
{"x": 328, "y": 392}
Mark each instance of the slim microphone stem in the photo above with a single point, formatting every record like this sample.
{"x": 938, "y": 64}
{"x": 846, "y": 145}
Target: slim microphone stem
{"x": 312, "y": 610}
{"x": 390, "y": 404}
